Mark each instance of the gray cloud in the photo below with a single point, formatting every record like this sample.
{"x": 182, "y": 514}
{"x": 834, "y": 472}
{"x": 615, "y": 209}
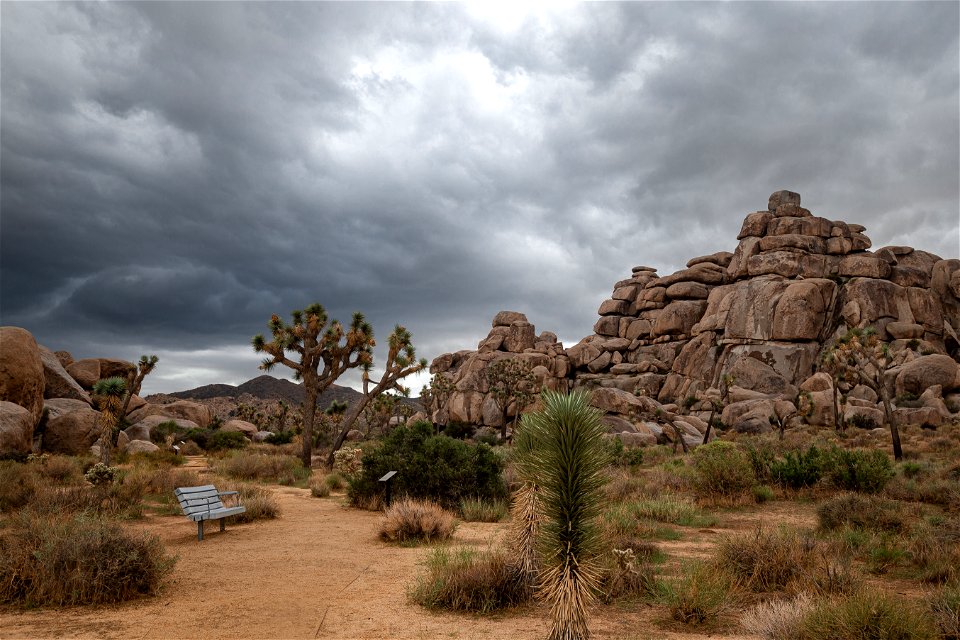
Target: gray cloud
{"x": 173, "y": 174}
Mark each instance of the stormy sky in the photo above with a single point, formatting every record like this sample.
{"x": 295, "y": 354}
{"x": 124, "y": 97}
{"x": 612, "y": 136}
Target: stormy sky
{"x": 174, "y": 173}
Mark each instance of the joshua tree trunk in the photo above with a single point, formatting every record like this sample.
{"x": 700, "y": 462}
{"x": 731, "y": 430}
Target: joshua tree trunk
{"x": 892, "y": 421}
{"x": 309, "y": 412}
{"x": 836, "y": 406}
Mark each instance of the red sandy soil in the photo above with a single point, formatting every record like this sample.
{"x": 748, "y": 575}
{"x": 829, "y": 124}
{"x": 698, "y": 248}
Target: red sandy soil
{"x": 319, "y": 571}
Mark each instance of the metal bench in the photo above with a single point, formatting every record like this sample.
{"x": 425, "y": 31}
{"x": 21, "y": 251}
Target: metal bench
{"x": 203, "y": 503}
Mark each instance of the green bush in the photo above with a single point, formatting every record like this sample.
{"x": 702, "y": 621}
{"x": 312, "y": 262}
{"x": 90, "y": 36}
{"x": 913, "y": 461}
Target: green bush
{"x": 49, "y": 559}
{"x": 624, "y": 456}
{"x": 158, "y": 435}
{"x": 862, "y": 421}
{"x": 762, "y": 493}
{"x": 280, "y": 437}
{"x": 699, "y": 596}
{"x": 866, "y": 471}
{"x": 722, "y": 469}
{"x": 221, "y": 440}
{"x": 798, "y": 469}
{"x": 431, "y": 467}
{"x": 459, "y": 430}
{"x": 866, "y": 615}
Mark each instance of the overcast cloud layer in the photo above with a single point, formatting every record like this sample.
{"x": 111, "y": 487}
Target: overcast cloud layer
{"x": 173, "y": 173}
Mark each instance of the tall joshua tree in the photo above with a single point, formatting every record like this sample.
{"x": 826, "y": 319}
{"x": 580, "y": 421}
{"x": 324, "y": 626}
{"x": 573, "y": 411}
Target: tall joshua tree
{"x": 401, "y": 362}
{"x": 321, "y": 351}
{"x": 109, "y": 395}
{"x": 568, "y": 466}
{"x": 860, "y": 356}
{"x": 135, "y": 379}
{"x": 510, "y": 381}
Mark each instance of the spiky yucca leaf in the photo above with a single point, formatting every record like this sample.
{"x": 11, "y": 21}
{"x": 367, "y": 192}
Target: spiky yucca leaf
{"x": 568, "y": 461}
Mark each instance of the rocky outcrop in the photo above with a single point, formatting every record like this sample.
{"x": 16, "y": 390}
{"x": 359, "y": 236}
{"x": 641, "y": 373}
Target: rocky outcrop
{"x": 16, "y": 429}
{"x": 72, "y": 433}
{"x": 57, "y": 382}
{"x": 511, "y": 337}
{"x": 242, "y": 426}
{"x": 193, "y": 411}
{"x": 757, "y": 317}
{"x": 21, "y": 371}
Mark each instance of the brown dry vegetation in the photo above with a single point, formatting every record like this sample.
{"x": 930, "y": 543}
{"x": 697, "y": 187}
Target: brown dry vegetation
{"x": 696, "y": 556}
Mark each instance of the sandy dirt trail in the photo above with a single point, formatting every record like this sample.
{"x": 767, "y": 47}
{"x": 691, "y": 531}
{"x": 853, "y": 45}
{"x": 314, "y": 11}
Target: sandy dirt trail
{"x": 318, "y": 571}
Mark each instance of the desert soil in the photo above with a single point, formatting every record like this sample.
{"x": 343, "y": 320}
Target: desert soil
{"x": 319, "y": 571}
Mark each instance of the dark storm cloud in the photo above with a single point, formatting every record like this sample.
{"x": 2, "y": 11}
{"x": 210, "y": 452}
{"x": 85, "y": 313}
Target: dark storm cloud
{"x": 173, "y": 173}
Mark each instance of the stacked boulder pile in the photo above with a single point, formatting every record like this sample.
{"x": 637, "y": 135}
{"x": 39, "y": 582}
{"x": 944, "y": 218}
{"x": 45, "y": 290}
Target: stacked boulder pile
{"x": 759, "y": 317}
{"x": 511, "y": 337}
{"x": 46, "y": 405}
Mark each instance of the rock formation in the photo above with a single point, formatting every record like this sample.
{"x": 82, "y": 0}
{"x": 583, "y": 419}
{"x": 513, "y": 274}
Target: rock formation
{"x": 761, "y": 314}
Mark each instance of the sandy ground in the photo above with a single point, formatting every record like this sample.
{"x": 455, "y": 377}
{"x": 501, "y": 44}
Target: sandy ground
{"x": 319, "y": 571}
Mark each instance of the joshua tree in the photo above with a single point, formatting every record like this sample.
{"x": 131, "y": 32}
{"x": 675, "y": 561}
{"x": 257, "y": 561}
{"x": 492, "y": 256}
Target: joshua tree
{"x": 829, "y": 365}
{"x": 803, "y": 405}
{"x": 435, "y": 395}
{"x": 109, "y": 394}
{"x": 717, "y": 405}
{"x": 510, "y": 381}
{"x": 135, "y": 379}
{"x": 401, "y": 362}
{"x": 860, "y": 356}
{"x": 322, "y": 350}
{"x": 568, "y": 469}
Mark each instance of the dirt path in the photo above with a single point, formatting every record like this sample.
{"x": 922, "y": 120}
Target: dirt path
{"x": 318, "y": 571}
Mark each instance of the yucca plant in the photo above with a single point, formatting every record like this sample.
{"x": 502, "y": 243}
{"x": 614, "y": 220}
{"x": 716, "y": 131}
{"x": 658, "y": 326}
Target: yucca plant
{"x": 109, "y": 394}
{"x": 526, "y": 512}
{"x": 144, "y": 367}
{"x": 567, "y": 460}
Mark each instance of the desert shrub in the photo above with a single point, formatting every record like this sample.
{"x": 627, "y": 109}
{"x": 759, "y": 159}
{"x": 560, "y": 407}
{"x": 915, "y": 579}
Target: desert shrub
{"x": 722, "y": 469}
{"x": 281, "y": 469}
{"x": 260, "y": 503}
{"x": 933, "y": 553}
{"x": 764, "y": 560}
{"x": 189, "y": 448}
{"x": 671, "y": 509}
{"x": 222, "y": 440}
{"x": 410, "y": 521}
{"x": 941, "y": 491}
{"x": 622, "y": 486}
{"x": 431, "y": 467}
{"x": 159, "y": 434}
{"x": 798, "y": 469}
{"x": 101, "y": 474}
{"x": 335, "y": 481}
{"x": 470, "y": 580}
{"x": 860, "y": 512}
{"x": 50, "y": 559}
{"x": 862, "y": 421}
{"x": 761, "y": 456}
{"x": 626, "y": 575}
{"x": 865, "y": 615}
{"x": 62, "y": 470}
{"x": 477, "y": 510}
{"x": 319, "y": 487}
{"x": 200, "y": 437}
{"x": 280, "y": 437}
{"x": 858, "y": 470}
{"x": 156, "y": 459}
{"x": 777, "y": 619}
{"x": 911, "y": 469}
{"x": 459, "y": 430}
{"x": 762, "y": 493}
{"x": 701, "y": 595}
{"x": 348, "y": 461}
{"x": 945, "y": 607}
{"x": 18, "y": 485}
{"x": 622, "y": 456}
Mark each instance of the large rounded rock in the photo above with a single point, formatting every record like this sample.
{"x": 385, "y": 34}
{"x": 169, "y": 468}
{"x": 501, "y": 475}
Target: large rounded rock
{"x": 57, "y": 382}
{"x": 143, "y": 429}
{"x": 506, "y": 318}
{"x": 246, "y": 428}
{"x": 72, "y": 433}
{"x": 21, "y": 370}
{"x": 16, "y": 429}
{"x": 111, "y": 367}
{"x": 141, "y": 446}
{"x": 57, "y": 407}
{"x": 926, "y": 371}
{"x": 193, "y": 411}
{"x": 86, "y": 372}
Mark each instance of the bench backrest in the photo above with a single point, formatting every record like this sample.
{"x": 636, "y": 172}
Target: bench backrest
{"x": 195, "y": 500}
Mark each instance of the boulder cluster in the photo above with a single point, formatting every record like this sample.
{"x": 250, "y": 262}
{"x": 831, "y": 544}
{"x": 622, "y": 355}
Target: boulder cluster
{"x": 46, "y": 405}
{"x": 759, "y": 316}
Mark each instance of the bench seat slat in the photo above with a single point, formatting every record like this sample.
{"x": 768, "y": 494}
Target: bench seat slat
{"x": 217, "y": 514}
{"x": 187, "y": 490}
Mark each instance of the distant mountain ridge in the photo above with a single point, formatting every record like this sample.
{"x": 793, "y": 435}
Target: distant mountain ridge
{"x": 269, "y": 388}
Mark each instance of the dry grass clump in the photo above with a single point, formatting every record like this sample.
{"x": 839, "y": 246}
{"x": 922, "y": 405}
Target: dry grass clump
{"x": 765, "y": 561}
{"x": 700, "y": 596}
{"x": 409, "y": 520}
{"x": 18, "y": 485}
{"x": 627, "y": 574}
{"x": 336, "y": 481}
{"x": 319, "y": 487}
{"x": 777, "y": 619}
{"x": 282, "y": 469}
{"x": 861, "y": 512}
{"x": 469, "y": 580}
{"x": 480, "y": 510}
{"x": 59, "y": 559}
{"x": 260, "y": 503}
{"x": 945, "y": 607}
{"x": 865, "y": 615}
{"x": 672, "y": 509}
{"x": 722, "y": 470}
{"x": 623, "y": 486}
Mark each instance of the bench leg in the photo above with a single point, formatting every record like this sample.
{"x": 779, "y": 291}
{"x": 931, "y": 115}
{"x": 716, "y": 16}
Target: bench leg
{"x": 223, "y": 524}
{"x": 199, "y": 530}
